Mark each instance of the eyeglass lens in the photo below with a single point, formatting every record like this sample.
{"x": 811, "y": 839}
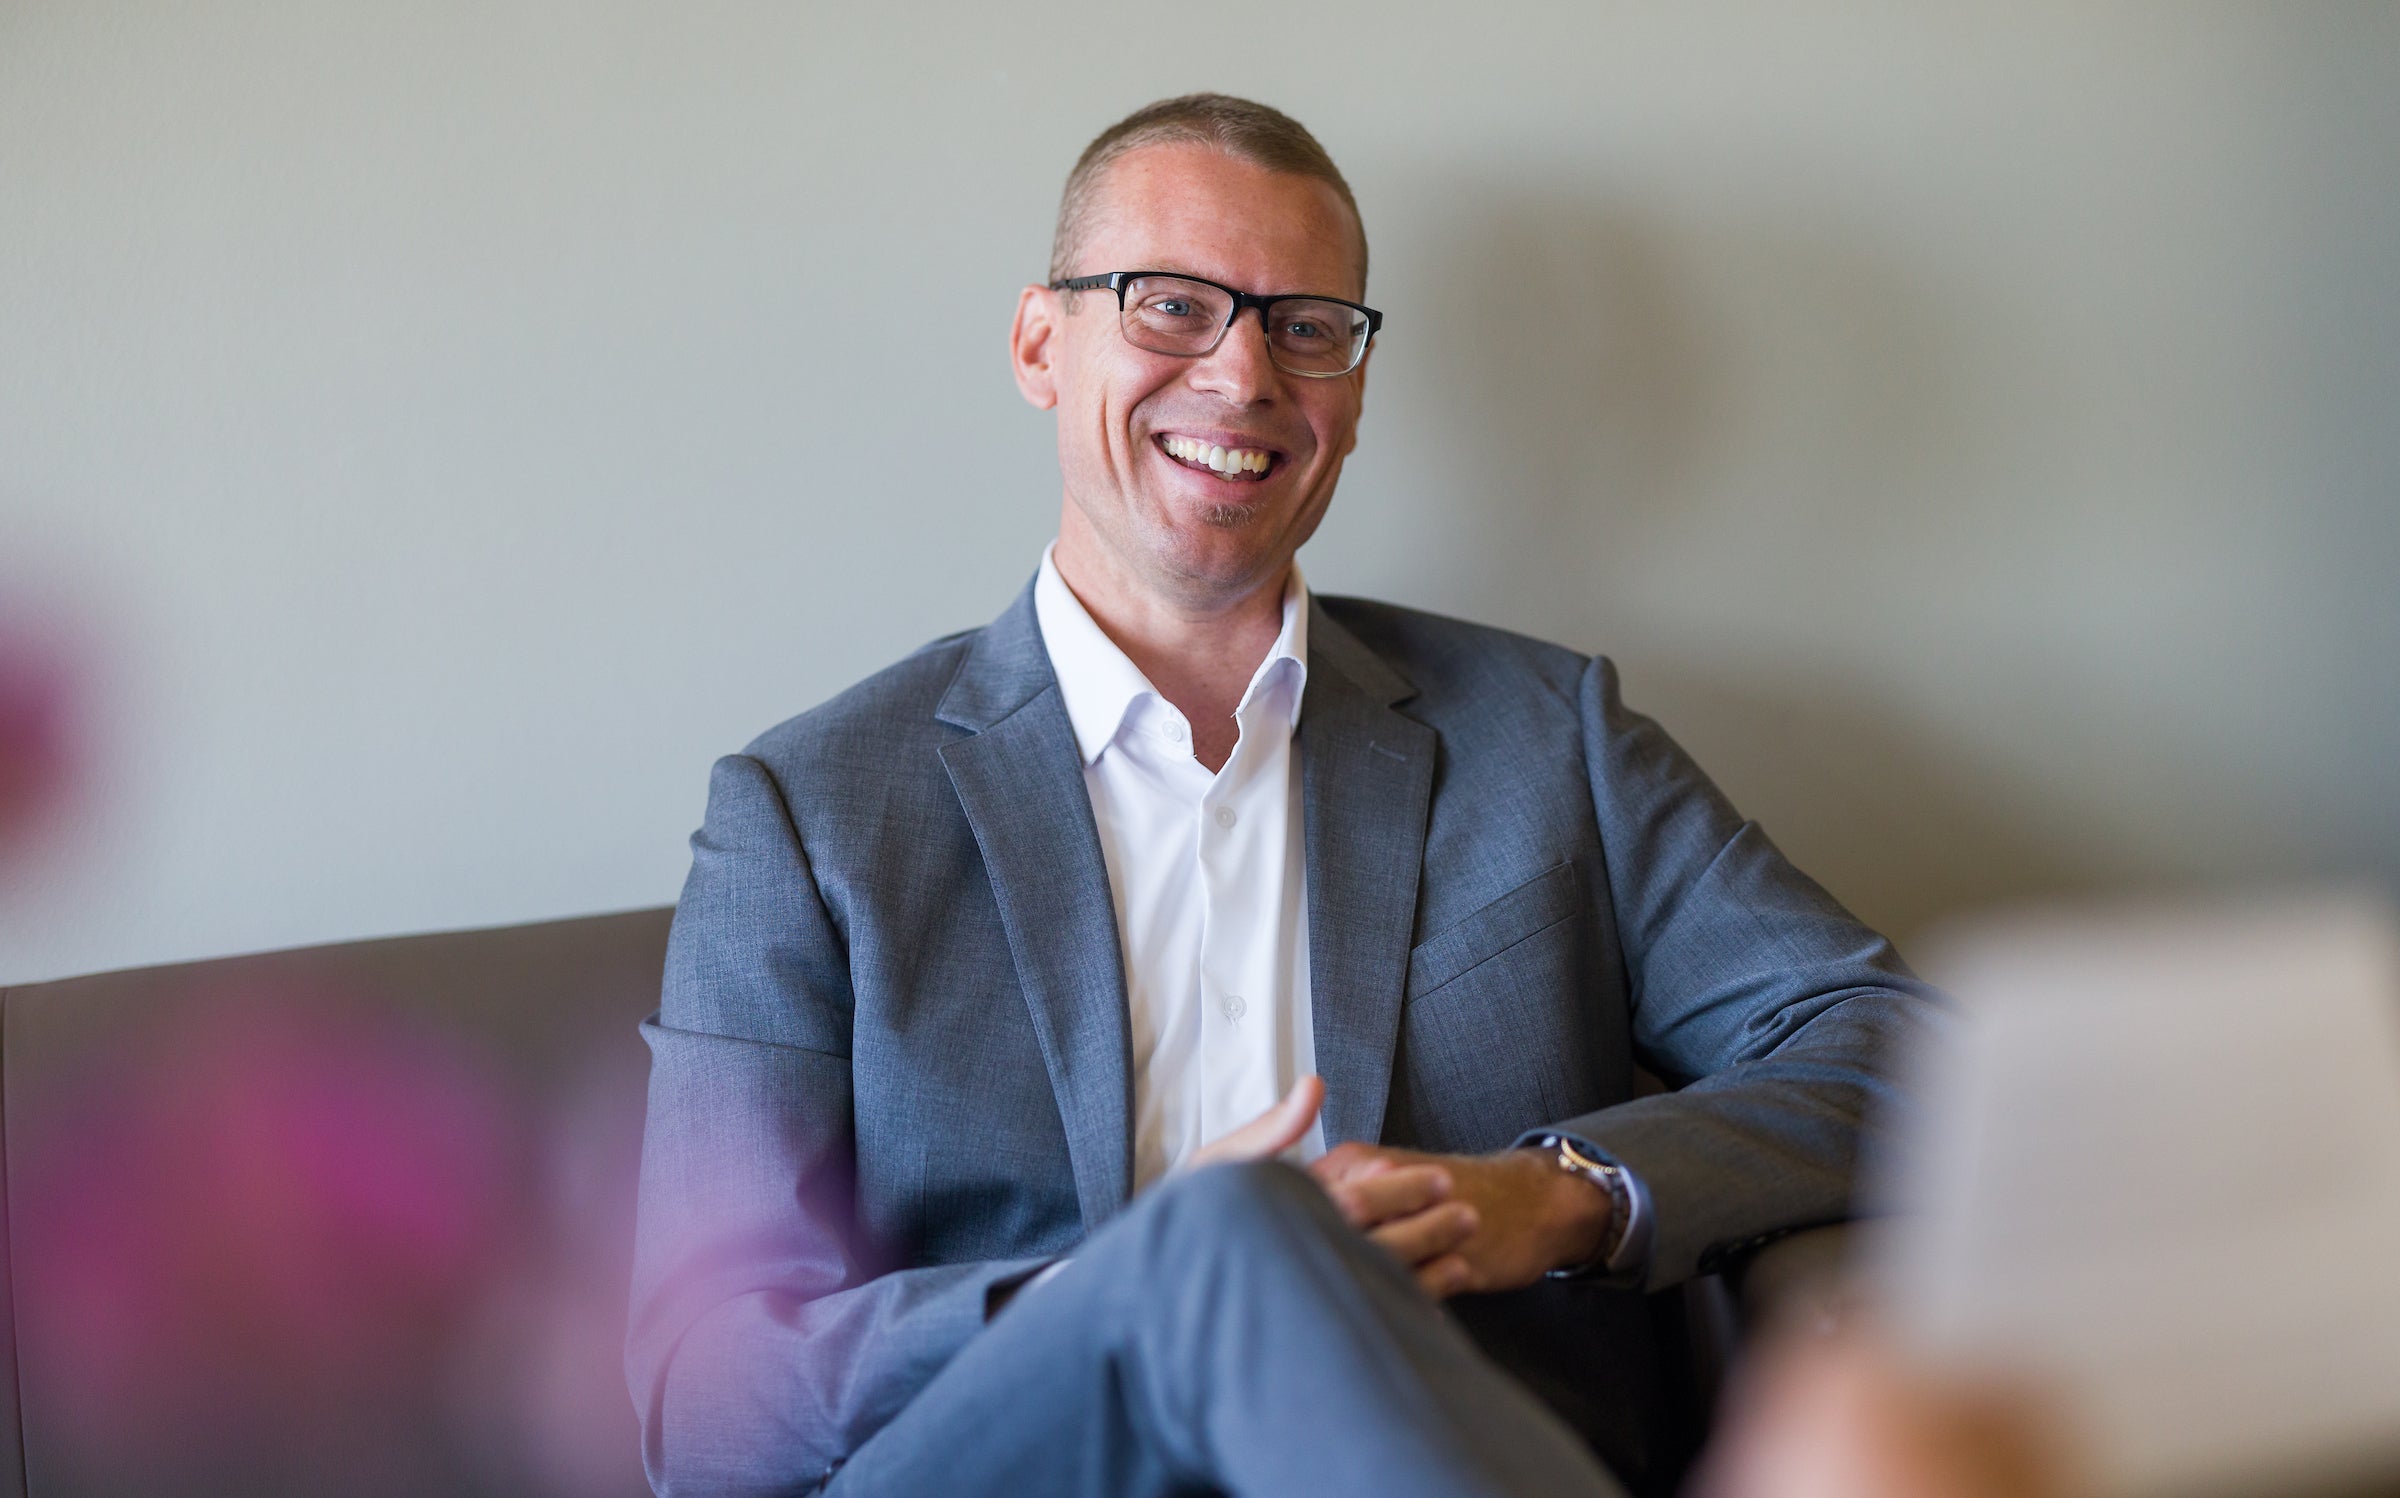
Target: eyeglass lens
{"x": 1170, "y": 315}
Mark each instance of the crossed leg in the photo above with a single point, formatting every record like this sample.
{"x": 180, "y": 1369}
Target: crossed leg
{"x": 1229, "y": 1333}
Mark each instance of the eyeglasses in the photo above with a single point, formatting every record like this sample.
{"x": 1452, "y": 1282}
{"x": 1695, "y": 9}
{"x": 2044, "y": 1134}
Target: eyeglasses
{"x": 1315, "y": 337}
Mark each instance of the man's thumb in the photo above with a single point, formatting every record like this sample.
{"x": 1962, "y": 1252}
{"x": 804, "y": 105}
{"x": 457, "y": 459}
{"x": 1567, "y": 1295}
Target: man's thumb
{"x": 1289, "y": 1119}
{"x": 1272, "y": 1132}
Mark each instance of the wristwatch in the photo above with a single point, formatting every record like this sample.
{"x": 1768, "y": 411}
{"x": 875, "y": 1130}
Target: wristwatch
{"x": 1576, "y": 1160}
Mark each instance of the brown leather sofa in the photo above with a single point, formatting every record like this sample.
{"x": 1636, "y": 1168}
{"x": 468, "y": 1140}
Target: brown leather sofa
{"x": 356, "y": 1219}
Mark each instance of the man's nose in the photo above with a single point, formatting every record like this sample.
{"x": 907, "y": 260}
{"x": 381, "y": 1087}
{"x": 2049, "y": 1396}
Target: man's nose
{"x": 1239, "y": 368}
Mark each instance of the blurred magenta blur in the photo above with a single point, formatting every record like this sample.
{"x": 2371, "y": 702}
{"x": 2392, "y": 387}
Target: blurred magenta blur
{"x": 263, "y": 1232}
{"x": 37, "y": 720}
{"x": 292, "y": 1239}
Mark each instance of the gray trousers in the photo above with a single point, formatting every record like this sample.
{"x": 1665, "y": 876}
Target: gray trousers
{"x": 1228, "y": 1333}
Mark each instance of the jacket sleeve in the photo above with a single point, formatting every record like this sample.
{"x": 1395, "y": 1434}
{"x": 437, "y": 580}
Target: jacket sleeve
{"x": 1770, "y": 1008}
{"x": 766, "y": 1342}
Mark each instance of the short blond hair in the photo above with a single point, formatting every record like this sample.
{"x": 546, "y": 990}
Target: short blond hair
{"x": 1243, "y": 129}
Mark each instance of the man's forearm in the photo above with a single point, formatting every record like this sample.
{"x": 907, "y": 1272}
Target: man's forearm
{"x": 1763, "y": 1146}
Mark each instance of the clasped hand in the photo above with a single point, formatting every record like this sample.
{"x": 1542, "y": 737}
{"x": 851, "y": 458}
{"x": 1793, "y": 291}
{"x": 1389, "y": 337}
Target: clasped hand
{"x": 1460, "y": 1223}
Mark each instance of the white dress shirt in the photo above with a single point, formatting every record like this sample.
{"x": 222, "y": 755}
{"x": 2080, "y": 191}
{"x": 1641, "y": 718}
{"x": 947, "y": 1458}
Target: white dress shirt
{"x": 1209, "y": 876}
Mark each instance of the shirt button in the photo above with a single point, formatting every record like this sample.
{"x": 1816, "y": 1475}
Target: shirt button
{"x": 1225, "y": 817}
{"x": 1234, "y": 1007}
{"x": 1174, "y": 733}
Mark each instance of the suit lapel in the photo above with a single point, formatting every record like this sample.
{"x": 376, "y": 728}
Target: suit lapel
{"x": 1020, "y": 780}
{"x": 1366, "y": 788}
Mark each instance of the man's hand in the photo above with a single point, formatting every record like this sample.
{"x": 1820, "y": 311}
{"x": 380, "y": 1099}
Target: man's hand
{"x": 1460, "y": 1222}
{"x": 1848, "y": 1416}
{"x": 1404, "y": 1207}
{"x": 1467, "y": 1223}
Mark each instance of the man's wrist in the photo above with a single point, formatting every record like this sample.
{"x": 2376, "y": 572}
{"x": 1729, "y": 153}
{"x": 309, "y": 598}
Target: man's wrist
{"x": 1580, "y": 1214}
{"x": 1623, "y": 1220}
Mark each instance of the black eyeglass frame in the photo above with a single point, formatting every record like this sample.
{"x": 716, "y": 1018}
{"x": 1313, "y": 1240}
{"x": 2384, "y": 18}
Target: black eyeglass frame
{"x": 1115, "y": 281}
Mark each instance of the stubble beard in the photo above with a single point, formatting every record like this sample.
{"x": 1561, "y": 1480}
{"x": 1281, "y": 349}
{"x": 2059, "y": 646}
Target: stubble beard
{"x": 1231, "y": 516}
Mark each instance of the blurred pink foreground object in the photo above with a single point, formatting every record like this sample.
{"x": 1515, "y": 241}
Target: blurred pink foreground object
{"x": 288, "y": 1193}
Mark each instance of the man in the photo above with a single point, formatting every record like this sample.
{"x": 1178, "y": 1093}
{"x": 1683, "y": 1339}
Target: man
{"x": 1004, "y": 982}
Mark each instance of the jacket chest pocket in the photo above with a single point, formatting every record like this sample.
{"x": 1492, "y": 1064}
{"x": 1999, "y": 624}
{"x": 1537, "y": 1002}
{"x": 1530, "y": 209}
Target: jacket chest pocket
{"x": 1492, "y": 1040}
{"x": 1526, "y": 911}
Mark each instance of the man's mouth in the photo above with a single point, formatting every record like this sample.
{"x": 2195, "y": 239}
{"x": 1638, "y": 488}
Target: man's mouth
{"x": 1240, "y": 464}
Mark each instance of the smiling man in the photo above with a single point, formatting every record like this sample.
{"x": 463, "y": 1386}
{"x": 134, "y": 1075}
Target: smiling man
{"x": 1182, "y": 1037}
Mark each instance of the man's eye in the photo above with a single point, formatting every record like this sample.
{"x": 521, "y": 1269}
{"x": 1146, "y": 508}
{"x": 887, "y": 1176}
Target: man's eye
{"x": 1304, "y": 330}
{"x": 1172, "y": 307}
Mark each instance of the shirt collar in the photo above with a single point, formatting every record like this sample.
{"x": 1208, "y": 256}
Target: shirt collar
{"x": 1100, "y": 684}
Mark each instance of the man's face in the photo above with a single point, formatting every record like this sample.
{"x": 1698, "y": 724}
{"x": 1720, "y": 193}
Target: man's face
{"x": 1167, "y": 524}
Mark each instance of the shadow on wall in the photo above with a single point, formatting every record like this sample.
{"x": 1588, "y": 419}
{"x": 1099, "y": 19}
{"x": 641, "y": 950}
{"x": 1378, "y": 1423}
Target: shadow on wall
{"x": 1904, "y": 829}
{"x": 1701, "y": 448}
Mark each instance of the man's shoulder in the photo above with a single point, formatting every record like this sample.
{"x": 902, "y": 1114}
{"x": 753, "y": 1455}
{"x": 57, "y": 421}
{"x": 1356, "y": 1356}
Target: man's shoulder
{"x": 867, "y": 722}
{"x": 1451, "y": 660}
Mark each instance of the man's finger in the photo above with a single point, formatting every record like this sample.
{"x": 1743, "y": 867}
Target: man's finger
{"x": 1445, "y": 1276}
{"x": 1401, "y": 1191}
{"x": 1351, "y": 1159}
{"x": 1429, "y": 1234}
{"x": 1272, "y": 1132}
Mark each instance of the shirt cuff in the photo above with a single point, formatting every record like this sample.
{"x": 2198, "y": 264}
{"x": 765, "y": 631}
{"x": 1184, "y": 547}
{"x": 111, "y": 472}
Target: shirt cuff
{"x": 1631, "y": 1261}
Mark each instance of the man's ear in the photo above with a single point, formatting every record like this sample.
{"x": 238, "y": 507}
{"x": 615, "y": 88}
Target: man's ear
{"x": 1032, "y": 342}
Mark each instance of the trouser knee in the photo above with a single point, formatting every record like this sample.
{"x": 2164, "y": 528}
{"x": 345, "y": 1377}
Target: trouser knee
{"x": 1251, "y": 1206}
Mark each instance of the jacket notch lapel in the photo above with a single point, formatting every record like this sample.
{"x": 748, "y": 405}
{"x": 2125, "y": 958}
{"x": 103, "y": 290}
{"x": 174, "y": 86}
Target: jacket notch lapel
{"x": 1367, "y": 790}
{"x": 1019, "y": 779}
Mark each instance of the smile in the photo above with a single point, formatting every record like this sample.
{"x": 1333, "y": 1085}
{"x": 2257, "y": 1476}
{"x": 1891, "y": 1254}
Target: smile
{"x": 1237, "y": 463}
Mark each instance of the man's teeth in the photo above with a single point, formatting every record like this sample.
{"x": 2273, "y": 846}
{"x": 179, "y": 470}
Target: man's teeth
{"x": 1222, "y": 459}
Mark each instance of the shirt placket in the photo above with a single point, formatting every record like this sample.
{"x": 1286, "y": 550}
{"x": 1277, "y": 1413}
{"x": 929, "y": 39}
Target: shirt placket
{"x": 1162, "y": 750}
{"x": 1238, "y": 937}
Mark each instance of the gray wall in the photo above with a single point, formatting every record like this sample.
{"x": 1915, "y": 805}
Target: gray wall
{"x": 447, "y": 426}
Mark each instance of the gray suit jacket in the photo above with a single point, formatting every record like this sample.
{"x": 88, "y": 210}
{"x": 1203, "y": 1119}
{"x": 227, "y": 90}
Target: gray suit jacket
{"x": 891, "y": 1068}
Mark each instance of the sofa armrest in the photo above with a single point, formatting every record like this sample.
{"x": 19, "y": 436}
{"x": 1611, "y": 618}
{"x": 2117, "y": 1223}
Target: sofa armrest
{"x": 1797, "y": 1277}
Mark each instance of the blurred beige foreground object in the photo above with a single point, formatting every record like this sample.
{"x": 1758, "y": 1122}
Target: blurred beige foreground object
{"x": 2158, "y": 1174}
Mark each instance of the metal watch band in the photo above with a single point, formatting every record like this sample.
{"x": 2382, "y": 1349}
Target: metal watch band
{"x": 1571, "y": 1157}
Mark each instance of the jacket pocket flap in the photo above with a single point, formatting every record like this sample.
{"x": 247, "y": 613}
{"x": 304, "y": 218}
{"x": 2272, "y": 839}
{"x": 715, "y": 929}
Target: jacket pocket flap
{"x": 1537, "y": 904}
